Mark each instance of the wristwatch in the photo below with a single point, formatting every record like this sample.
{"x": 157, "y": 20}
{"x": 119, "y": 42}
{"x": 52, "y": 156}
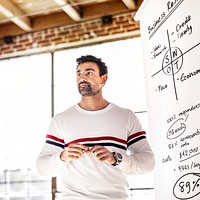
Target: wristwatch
{"x": 118, "y": 157}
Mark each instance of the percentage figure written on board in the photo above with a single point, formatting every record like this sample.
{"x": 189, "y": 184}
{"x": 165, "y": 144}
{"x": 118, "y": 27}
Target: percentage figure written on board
{"x": 187, "y": 187}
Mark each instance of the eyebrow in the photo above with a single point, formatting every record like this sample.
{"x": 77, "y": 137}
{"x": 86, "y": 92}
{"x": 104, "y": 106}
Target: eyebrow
{"x": 87, "y": 69}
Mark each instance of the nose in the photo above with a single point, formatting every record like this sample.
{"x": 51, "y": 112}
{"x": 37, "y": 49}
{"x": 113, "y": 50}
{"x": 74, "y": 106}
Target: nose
{"x": 81, "y": 78}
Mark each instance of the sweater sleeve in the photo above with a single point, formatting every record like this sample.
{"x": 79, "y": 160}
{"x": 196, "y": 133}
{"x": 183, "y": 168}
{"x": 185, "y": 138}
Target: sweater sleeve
{"x": 48, "y": 162}
{"x": 140, "y": 157}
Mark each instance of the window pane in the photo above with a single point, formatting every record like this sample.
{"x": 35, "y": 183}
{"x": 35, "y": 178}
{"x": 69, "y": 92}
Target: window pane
{"x": 125, "y": 85}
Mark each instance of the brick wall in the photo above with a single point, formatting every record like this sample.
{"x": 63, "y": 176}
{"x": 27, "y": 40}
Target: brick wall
{"x": 79, "y": 34}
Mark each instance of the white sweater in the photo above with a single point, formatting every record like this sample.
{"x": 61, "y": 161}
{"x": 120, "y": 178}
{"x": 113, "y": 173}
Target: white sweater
{"x": 117, "y": 129}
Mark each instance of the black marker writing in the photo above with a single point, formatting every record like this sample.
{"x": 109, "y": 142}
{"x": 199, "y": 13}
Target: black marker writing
{"x": 187, "y": 186}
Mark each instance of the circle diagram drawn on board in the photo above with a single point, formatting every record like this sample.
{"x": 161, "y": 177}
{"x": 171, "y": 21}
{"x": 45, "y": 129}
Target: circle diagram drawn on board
{"x": 173, "y": 62}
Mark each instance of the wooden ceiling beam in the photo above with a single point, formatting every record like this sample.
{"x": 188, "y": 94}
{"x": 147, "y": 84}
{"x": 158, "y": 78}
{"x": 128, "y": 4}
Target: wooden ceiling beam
{"x": 103, "y": 9}
{"x": 130, "y": 4}
{"x": 69, "y": 10}
{"x": 61, "y": 19}
{"x": 12, "y": 12}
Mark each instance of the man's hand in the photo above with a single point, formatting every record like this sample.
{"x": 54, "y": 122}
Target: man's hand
{"x": 73, "y": 152}
{"x": 102, "y": 154}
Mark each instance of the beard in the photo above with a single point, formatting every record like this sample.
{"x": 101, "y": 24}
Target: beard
{"x": 86, "y": 89}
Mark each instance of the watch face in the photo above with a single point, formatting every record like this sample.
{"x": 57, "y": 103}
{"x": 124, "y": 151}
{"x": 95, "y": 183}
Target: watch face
{"x": 118, "y": 158}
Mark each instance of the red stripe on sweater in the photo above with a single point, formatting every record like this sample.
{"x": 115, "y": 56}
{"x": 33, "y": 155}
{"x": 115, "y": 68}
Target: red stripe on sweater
{"x": 97, "y": 139}
{"x": 55, "y": 138}
{"x": 136, "y": 135}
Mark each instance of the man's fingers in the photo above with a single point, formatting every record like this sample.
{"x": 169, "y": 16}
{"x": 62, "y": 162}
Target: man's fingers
{"x": 100, "y": 152}
{"x": 73, "y": 152}
{"x": 78, "y": 148}
{"x": 96, "y": 148}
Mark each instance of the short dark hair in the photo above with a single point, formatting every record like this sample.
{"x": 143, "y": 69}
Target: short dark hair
{"x": 89, "y": 58}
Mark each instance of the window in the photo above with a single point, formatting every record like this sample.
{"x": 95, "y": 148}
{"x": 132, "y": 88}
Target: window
{"x": 25, "y": 106}
{"x": 125, "y": 84}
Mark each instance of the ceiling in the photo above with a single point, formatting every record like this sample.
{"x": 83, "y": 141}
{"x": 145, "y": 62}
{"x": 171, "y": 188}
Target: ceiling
{"x": 21, "y": 16}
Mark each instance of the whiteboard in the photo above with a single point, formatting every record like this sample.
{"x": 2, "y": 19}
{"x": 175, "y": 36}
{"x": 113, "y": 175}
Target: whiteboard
{"x": 170, "y": 31}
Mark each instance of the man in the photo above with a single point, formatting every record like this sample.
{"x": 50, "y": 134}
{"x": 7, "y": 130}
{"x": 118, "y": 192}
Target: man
{"x": 95, "y": 144}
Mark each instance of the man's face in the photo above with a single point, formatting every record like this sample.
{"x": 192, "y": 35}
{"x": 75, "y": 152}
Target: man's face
{"x": 88, "y": 80}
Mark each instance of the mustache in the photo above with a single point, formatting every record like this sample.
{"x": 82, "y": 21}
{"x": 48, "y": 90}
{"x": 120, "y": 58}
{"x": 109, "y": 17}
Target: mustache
{"x": 83, "y": 82}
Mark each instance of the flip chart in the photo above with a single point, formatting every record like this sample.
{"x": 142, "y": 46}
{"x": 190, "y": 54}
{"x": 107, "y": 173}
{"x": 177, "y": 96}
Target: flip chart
{"x": 170, "y": 31}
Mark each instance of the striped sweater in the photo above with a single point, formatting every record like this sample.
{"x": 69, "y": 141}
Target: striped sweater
{"x": 117, "y": 129}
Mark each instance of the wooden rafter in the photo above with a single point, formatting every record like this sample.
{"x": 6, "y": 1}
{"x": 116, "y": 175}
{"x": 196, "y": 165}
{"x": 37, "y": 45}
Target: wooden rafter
{"x": 60, "y": 18}
{"x": 130, "y": 4}
{"x": 69, "y": 10}
{"x": 13, "y": 13}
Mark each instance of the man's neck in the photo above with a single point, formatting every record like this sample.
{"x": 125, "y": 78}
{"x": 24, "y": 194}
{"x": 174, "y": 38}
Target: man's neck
{"x": 93, "y": 103}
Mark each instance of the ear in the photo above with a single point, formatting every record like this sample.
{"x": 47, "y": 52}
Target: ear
{"x": 104, "y": 78}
